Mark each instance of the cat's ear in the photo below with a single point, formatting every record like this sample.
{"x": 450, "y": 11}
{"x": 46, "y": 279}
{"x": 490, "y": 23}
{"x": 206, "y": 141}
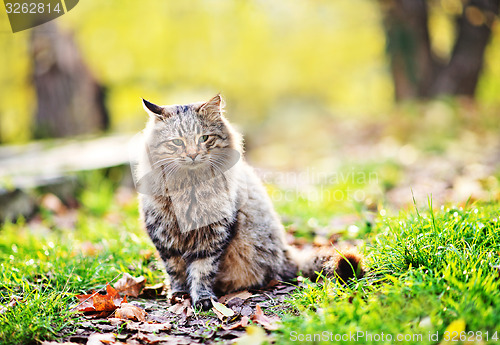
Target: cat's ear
{"x": 154, "y": 110}
{"x": 214, "y": 108}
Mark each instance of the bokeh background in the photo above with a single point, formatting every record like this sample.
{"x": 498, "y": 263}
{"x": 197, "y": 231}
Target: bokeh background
{"x": 373, "y": 123}
{"x": 406, "y": 90}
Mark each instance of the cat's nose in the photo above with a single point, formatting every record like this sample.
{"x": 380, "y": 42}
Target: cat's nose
{"x": 192, "y": 155}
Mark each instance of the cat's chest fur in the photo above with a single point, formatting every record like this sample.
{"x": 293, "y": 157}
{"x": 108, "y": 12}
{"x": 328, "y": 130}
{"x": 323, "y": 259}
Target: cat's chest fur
{"x": 194, "y": 215}
{"x": 196, "y": 200}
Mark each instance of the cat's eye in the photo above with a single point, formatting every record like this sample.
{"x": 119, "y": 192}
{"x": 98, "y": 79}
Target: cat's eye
{"x": 203, "y": 138}
{"x": 177, "y": 142}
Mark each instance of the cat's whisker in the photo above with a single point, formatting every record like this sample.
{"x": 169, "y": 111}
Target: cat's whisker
{"x": 219, "y": 158}
{"x": 221, "y": 173}
{"x": 163, "y": 160}
{"x": 220, "y": 164}
{"x": 173, "y": 168}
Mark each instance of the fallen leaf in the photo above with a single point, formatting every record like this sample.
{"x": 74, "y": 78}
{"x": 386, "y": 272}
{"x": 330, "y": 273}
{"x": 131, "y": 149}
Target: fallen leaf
{"x": 177, "y": 340}
{"x": 150, "y": 338}
{"x": 115, "y": 321}
{"x": 269, "y": 323}
{"x": 128, "y": 285}
{"x": 235, "y": 303}
{"x": 240, "y": 324}
{"x": 129, "y": 311}
{"x": 183, "y": 307}
{"x": 115, "y": 296}
{"x": 103, "y": 327}
{"x": 86, "y": 302}
{"x": 103, "y": 305}
{"x": 221, "y": 310}
{"x": 100, "y": 339}
{"x": 148, "y": 327}
{"x": 153, "y": 291}
{"x": 244, "y": 295}
{"x": 246, "y": 310}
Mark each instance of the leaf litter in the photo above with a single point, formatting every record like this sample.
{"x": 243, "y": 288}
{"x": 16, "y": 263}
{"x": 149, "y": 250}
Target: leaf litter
{"x": 128, "y": 285}
{"x": 111, "y": 319}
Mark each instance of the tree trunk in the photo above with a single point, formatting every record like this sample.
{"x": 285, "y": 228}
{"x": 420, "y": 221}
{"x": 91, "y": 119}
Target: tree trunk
{"x": 70, "y": 100}
{"x": 416, "y": 71}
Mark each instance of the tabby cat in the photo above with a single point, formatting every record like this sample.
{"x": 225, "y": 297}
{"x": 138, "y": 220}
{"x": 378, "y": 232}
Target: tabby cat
{"x": 208, "y": 213}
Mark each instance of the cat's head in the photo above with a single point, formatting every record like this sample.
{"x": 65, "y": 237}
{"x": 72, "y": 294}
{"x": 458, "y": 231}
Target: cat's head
{"x": 191, "y": 136}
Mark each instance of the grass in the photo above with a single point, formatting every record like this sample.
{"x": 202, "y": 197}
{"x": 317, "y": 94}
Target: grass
{"x": 430, "y": 271}
{"x": 44, "y": 264}
{"x": 427, "y": 271}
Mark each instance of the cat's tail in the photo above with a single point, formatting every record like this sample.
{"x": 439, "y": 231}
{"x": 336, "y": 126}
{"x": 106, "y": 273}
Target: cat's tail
{"x": 329, "y": 262}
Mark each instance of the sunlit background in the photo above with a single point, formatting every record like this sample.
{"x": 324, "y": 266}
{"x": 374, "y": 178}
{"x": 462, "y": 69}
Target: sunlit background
{"x": 311, "y": 84}
{"x": 373, "y": 123}
{"x": 267, "y": 58}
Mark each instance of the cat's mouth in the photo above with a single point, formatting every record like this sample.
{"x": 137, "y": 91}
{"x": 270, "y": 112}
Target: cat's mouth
{"x": 193, "y": 164}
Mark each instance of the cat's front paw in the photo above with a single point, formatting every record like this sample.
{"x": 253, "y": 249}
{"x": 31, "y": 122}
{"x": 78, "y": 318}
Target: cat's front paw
{"x": 204, "y": 303}
{"x": 178, "y": 297}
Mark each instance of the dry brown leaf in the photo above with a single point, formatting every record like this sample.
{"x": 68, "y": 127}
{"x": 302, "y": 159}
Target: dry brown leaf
{"x": 268, "y": 322}
{"x": 244, "y": 295}
{"x": 100, "y": 339}
{"x": 86, "y": 302}
{"x": 115, "y": 296}
{"x": 240, "y": 324}
{"x": 129, "y": 311}
{"x": 103, "y": 304}
{"x": 153, "y": 291}
{"x": 149, "y": 338}
{"x": 128, "y": 285}
{"x": 148, "y": 327}
{"x": 235, "y": 304}
{"x": 221, "y": 310}
{"x": 182, "y": 308}
{"x": 114, "y": 321}
{"x": 246, "y": 310}
{"x": 179, "y": 340}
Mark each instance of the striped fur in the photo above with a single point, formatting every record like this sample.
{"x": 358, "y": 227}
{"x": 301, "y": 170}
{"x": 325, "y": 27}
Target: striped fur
{"x": 206, "y": 211}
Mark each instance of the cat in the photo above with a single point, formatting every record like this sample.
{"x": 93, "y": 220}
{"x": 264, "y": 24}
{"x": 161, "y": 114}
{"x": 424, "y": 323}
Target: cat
{"x": 208, "y": 213}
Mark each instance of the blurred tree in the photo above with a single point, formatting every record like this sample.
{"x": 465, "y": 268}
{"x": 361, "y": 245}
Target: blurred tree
{"x": 417, "y": 71}
{"x": 69, "y": 100}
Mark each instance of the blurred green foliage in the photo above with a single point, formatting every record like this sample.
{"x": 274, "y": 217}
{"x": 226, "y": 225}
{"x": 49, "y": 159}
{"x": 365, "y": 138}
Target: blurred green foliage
{"x": 261, "y": 55}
